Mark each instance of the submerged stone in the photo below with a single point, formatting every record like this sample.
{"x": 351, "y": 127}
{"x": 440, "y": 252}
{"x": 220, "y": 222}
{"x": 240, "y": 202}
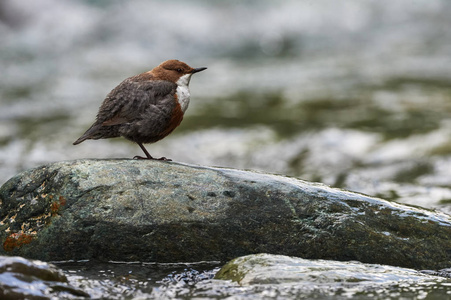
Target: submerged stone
{"x": 285, "y": 277}
{"x": 279, "y": 269}
{"x": 21, "y": 278}
{"x": 135, "y": 210}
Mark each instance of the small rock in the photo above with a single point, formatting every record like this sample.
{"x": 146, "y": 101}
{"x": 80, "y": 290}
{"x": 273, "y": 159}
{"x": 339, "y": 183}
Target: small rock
{"x": 278, "y": 269}
{"x": 21, "y": 278}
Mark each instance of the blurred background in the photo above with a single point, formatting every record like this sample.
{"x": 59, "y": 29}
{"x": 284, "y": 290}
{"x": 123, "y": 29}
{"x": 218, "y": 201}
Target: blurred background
{"x": 355, "y": 94}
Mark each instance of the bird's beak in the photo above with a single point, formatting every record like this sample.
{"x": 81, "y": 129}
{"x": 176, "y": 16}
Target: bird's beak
{"x": 198, "y": 70}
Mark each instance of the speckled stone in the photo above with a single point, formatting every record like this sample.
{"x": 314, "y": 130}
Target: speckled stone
{"x": 153, "y": 211}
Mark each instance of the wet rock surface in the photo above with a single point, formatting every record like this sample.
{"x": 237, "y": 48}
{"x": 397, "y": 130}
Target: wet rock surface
{"x": 254, "y": 276}
{"x": 280, "y": 269}
{"x": 133, "y": 210}
{"x": 26, "y": 279}
{"x": 285, "y": 277}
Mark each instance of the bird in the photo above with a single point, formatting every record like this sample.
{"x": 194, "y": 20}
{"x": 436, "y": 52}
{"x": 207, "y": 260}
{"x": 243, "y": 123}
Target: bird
{"x": 145, "y": 108}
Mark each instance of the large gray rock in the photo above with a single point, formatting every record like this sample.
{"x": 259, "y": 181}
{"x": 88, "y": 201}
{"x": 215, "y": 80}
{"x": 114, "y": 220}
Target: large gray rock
{"x": 131, "y": 210}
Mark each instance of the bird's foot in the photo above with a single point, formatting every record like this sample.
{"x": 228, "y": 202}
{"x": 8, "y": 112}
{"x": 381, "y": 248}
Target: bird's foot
{"x": 161, "y": 158}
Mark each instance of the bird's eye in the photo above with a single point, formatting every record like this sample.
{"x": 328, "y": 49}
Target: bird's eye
{"x": 179, "y": 70}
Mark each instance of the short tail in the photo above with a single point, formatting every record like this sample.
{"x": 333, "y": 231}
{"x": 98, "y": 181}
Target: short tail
{"x": 80, "y": 139}
{"x": 89, "y": 134}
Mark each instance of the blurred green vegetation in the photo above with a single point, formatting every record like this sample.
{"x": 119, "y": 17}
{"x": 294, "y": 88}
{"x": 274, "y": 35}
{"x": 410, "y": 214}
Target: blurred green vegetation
{"x": 361, "y": 111}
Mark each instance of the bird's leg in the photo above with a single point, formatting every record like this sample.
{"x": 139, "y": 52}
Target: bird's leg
{"x": 148, "y": 156}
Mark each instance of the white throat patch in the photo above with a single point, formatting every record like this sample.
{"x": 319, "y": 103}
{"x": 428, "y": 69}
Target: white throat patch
{"x": 183, "y": 93}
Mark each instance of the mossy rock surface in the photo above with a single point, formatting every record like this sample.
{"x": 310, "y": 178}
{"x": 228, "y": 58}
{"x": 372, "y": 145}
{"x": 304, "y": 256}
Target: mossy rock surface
{"x": 309, "y": 274}
{"x": 153, "y": 211}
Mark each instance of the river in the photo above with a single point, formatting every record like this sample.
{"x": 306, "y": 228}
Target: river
{"x": 353, "y": 94}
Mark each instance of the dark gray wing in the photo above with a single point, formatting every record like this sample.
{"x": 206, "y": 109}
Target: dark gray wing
{"x": 129, "y": 101}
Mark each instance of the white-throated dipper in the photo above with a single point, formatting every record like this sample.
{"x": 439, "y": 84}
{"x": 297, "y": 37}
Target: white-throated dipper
{"x": 145, "y": 108}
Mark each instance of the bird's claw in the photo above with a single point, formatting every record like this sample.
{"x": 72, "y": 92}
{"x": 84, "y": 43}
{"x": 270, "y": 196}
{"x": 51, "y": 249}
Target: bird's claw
{"x": 161, "y": 158}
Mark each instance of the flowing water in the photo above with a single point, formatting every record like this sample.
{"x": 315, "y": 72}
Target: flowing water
{"x": 311, "y": 279}
{"x": 354, "y": 94}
